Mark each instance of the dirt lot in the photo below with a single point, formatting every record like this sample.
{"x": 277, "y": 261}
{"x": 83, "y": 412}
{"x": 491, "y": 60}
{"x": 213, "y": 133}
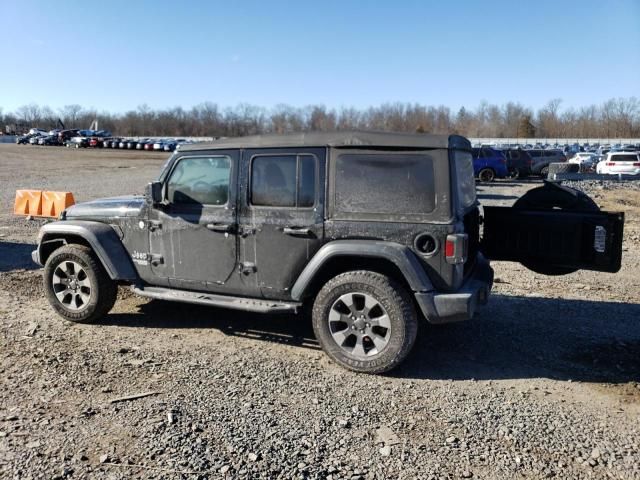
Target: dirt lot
{"x": 544, "y": 382}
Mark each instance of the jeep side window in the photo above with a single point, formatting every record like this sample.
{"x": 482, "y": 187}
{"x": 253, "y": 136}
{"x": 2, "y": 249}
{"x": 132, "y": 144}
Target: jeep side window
{"x": 200, "y": 180}
{"x": 283, "y": 180}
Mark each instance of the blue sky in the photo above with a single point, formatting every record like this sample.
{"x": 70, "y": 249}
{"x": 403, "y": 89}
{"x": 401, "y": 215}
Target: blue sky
{"x": 117, "y": 55}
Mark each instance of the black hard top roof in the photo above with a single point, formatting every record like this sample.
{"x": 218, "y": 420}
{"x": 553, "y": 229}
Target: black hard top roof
{"x": 344, "y": 139}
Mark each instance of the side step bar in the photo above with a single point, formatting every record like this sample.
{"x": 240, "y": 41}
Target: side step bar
{"x": 213, "y": 300}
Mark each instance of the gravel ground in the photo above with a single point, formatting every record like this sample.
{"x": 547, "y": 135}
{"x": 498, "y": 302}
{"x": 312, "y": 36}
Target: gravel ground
{"x": 544, "y": 382}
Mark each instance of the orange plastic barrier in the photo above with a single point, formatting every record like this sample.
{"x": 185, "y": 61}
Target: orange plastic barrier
{"x": 37, "y": 203}
{"x": 28, "y": 202}
{"x": 55, "y": 202}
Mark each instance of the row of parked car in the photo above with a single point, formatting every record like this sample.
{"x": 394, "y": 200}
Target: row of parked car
{"x": 490, "y": 163}
{"x": 75, "y": 138}
{"x": 149, "y": 144}
{"x": 515, "y": 162}
{"x": 572, "y": 149}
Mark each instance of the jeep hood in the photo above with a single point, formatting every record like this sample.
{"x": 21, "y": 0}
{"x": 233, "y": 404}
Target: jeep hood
{"x": 113, "y": 207}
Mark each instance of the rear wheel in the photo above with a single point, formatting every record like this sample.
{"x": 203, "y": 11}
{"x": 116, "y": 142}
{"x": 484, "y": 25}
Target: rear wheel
{"x": 365, "y": 321}
{"x": 544, "y": 172}
{"x": 486, "y": 175}
{"x": 77, "y": 286}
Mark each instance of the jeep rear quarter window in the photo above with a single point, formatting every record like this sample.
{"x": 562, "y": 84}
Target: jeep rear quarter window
{"x": 465, "y": 180}
{"x": 385, "y": 183}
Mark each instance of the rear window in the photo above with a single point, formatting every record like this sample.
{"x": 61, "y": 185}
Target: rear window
{"x": 535, "y": 153}
{"x": 624, "y": 158}
{"x": 385, "y": 183}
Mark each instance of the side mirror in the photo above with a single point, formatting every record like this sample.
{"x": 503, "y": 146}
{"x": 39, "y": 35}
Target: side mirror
{"x": 153, "y": 193}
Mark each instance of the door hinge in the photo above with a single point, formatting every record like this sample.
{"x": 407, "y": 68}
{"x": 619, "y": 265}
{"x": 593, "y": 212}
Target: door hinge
{"x": 246, "y": 231}
{"x": 154, "y": 225}
{"x": 247, "y": 268}
{"x": 156, "y": 259}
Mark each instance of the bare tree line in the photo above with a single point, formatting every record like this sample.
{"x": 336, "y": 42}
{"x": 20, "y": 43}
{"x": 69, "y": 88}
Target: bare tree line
{"x": 615, "y": 118}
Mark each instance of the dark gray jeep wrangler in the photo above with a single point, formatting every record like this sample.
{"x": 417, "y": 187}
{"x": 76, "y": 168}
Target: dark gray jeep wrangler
{"x": 370, "y": 230}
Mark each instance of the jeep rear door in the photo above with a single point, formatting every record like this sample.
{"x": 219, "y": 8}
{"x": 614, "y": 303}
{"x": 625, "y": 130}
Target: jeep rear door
{"x": 281, "y": 216}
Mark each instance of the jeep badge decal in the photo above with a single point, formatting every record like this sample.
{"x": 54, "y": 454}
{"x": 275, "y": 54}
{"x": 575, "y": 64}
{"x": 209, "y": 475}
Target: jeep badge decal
{"x": 140, "y": 258}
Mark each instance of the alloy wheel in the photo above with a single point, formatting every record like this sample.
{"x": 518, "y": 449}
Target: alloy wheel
{"x": 71, "y": 285}
{"x": 359, "y": 325}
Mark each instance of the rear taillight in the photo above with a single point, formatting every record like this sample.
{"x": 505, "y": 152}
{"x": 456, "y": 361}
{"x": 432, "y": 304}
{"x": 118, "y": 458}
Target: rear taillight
{"x": 610, "y": 164}
{"x": 637, "y": 164}
{"x": 456, "y": 247}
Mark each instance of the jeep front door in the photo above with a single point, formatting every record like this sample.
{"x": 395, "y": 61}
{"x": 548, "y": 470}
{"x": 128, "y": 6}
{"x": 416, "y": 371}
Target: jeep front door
{"x": 193, "y": 235}
{"x": 281, "y": 216}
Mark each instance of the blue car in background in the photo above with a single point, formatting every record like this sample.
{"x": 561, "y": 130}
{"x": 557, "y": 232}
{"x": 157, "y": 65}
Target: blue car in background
{"x": 489, "y": 164}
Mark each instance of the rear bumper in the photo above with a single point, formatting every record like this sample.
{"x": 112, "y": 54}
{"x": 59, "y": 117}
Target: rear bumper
{"x": 461, "y": 305}
{"x": 628, "y": 171}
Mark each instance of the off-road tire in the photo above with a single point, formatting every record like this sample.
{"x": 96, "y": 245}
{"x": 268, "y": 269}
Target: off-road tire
{"x": 103, "y": 289}
{"x": 399, "y": 307}
{"x": 486, "y": 175}
{"x": 551, "y": 196}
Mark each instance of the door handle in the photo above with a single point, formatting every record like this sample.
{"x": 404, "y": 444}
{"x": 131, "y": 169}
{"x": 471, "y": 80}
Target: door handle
{"x": 297, "y": 231}
{"x": 221, "y": 227}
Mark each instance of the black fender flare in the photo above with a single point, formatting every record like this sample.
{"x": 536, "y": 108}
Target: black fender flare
{"x": 400, "y": 255}
{"x": 102, "y": 239}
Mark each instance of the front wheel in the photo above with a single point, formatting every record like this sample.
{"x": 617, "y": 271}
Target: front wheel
{"x": 544, "y": 172}
{"x": 365, "y": 321}
{"x": 77, "y": 286}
